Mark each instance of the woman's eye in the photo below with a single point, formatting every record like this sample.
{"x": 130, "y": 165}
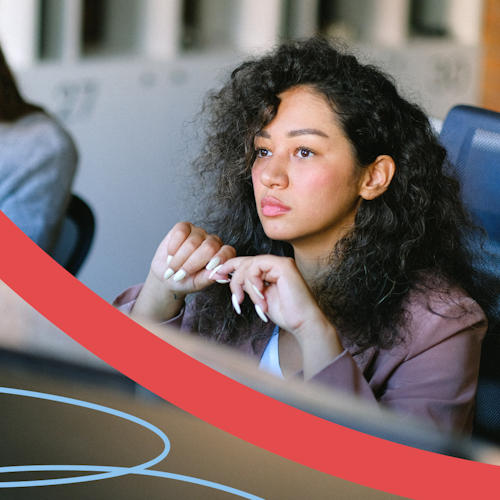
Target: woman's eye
{"x": 304, "y": 153}
{"x": 262, "y": 153}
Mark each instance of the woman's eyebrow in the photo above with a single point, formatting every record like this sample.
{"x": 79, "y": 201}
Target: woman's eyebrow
{"x": 264, "y": 134}
{"x": 295, "y": 133}
{"x": 306, "y": 131}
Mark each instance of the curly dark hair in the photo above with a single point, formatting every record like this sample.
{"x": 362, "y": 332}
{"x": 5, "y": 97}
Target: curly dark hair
{"x": 12, "y": 104}
{"x": 412, "y": 238}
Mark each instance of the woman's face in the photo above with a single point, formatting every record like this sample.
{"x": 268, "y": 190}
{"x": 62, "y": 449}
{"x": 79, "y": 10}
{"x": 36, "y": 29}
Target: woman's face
{"x": 305, "y": 178}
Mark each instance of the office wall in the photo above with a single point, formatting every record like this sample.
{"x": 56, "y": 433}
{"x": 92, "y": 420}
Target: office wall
{"x": 131, "y": 123}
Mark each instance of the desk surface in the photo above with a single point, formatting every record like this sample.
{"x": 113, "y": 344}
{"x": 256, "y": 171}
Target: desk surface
{"x": 37, "y": 431}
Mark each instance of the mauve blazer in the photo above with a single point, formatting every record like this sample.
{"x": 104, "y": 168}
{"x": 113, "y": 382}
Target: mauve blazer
{"x": 432, "y": 375}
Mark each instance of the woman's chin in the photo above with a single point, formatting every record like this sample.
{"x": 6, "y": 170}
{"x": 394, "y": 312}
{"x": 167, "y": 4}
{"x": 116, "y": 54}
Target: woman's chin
{"x": 279, "y": 234}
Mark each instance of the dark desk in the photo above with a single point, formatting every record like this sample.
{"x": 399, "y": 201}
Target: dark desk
{"x": 37, "y": 431}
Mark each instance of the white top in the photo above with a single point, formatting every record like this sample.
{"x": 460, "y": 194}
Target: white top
{"x": 270, "y": 360}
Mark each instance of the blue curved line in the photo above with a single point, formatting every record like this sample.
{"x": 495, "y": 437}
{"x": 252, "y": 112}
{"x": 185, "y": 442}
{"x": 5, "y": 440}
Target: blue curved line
{"x": 121, "y": 471}
{"x": 103, "y": 409}
{"x": 104, "y": 471}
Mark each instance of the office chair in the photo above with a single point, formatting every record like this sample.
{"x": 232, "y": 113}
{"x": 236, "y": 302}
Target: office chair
{"x": 76, "y": 235}
{"x": 472, "y": 138}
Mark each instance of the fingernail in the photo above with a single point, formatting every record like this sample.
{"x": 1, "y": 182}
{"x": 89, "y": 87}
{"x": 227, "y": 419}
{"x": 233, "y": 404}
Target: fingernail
{"x": 214, "y": 271}
{"x": 258, "y": 292}
{"x": 180, "y": 275}
{"x": 236, "y": 305}
{"x": 168, "y": 273}
{"x": 223, "y": 282}
{"x": 169, "y": 259}
{"x": 213, "y": 263}
{"x": 261, "y": 313}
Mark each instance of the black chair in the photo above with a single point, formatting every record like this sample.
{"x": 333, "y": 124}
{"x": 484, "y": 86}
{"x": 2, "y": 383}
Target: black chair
{"x": 76, "y": 235}
{"x": 472, "y": 137}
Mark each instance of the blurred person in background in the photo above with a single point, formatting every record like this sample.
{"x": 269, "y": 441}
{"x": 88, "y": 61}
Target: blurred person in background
{"x": 38, "y": 160}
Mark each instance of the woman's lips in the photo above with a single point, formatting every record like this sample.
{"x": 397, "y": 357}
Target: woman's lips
{"x": 272, "y": 207}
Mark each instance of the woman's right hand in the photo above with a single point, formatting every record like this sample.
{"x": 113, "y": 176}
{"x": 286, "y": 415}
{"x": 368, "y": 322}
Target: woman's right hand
{"x": 182, "y": 264}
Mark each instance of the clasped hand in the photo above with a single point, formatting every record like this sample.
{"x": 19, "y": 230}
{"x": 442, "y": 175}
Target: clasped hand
{"x": 189, "y": 259}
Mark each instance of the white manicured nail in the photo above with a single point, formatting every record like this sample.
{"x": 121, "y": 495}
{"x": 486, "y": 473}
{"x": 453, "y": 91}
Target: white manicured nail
{"x": 168, "y": 273}
{"x": 261, "y": 313}
{"x": 169, "y": 259}
{"x": 180, "y": 275}
{"x": 213, "y": 263}
{"x": 236, "y": 305}
{"x": 214, "y": 271}
{"x": 223, "y": 282}
{"x": 258, "y": 292}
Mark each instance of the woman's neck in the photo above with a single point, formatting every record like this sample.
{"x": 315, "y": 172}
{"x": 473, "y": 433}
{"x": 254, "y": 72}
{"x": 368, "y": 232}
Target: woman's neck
{"x": 309, "y": 264}
{"x": 313, "y": 254}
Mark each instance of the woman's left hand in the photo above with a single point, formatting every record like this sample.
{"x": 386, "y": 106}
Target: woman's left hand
{"x": 276, "y": 286}
{"x": 278, "y": 290}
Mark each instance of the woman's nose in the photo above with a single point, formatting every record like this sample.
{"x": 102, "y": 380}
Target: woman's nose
{"x": 274, "y": 173}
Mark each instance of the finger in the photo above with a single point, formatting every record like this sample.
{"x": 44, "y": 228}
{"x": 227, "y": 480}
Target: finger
{"x": 178, "y": 235}
{"x": 258, "y": 309}
{"x": 253, "y": 286}
{"x": 217, "y": 262}
{"x": 261, "y": 313}
{"x": 229, "y": 266}
{"x": 257, "y": 297}
{"x": 194, "y": 254}
{"x": 211, "y": 253}
{"x": 236, "y": 304}
{"x": 249, "y": 276}
{"x": 224, "y": 254}
{"x": 171, "y": 244}
{"x": 161, "y": 254}
{"x": 237, "y": 268}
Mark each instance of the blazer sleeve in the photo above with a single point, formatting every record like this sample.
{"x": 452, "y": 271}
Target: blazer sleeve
{"x": 344, "y": 373}
{"x": 432, "y": 375}
{"x": 126, "y": 300}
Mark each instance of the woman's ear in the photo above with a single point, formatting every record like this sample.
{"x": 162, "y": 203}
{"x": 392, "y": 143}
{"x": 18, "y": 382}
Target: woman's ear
{"x": 377, "y": 177}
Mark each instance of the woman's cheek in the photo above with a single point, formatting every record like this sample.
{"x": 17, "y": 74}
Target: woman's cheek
{"x": 315, "y": 182}
{"x": 256, "y": 174}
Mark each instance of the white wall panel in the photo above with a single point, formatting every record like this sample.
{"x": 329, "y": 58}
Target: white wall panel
{"x": 19, "y": 31}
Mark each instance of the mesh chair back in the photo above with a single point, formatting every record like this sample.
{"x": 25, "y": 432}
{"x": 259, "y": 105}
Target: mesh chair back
{"x": 472, "y": 138}
{"x": 76, "y": 235}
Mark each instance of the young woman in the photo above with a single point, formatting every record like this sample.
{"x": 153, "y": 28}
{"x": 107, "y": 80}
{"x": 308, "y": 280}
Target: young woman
{"x": 37, "y": 164}
{"x": 336, "y": 235}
